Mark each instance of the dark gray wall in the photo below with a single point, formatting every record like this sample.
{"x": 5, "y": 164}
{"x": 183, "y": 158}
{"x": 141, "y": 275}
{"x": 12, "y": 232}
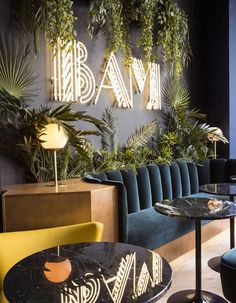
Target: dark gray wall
{"x": 196, "y": 71}
{"x": 10, "y": 171}
{"x": 208, "y": 72}
{"x": 217, "y": 68}
{"x": 232, "y": 77}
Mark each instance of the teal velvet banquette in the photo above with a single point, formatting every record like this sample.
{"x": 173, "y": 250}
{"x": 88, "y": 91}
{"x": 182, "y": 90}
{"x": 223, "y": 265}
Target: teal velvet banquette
{"x": 139, "y": 190}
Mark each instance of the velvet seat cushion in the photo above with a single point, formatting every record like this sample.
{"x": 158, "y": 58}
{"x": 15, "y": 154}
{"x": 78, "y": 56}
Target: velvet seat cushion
{"x": 228, "y": 274}
{"x": 149, "y": 229}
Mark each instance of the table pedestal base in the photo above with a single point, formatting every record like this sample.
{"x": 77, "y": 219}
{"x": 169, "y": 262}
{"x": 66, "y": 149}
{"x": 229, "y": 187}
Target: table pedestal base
{"x": 214, "y": 263}
{"x": 189, "y": 296}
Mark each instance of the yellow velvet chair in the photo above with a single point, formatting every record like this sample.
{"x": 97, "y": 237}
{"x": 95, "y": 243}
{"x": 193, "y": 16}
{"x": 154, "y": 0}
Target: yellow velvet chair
{"x": 15, "y": 246}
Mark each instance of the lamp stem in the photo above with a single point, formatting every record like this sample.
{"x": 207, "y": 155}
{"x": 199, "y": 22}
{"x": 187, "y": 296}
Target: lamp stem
{"x": 214, "y": 149}
{"x": 55, "y": 168}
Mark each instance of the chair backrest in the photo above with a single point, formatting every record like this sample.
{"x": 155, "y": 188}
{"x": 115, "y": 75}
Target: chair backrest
{"x": 15, "y": 246}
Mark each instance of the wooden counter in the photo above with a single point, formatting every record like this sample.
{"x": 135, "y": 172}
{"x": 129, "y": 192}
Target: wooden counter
{"x": 38, "y": 205}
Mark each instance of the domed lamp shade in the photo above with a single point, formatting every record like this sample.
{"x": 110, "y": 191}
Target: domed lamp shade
{"x": 214, "y": 135}
{"x": 53, "y": 137}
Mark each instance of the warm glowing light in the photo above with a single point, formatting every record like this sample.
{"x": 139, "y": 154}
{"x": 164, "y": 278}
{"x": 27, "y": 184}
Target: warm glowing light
{"x": 72, "y": 79}
{"x": 215, "y": 134}
{"x": 53, "y": 136}
{"x": 115, "y": 80}
{"x": 155, "y": 85}
{"x": 139, "y": 73}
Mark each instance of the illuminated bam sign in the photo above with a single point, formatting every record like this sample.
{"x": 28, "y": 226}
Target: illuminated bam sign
{"x": 140, "y": 75}
{"x": 113, "y": 75}
{"x": 73, "y": 81}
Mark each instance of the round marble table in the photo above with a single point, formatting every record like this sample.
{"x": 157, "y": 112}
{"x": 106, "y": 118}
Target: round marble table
{"x": 196, "y": 209}
{"x": 89, "y": 272}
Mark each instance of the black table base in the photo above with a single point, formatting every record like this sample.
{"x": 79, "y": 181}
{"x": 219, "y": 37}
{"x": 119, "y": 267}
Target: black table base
{"x": 189, "y": 296}
{"x": 196, "y": 295}
{"x": 214, "y": 263}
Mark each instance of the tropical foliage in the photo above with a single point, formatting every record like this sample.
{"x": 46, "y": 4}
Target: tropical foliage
{"x": 161, "y": 23}
{"x": 22, "y": 125}
{"x": 184, "y": 136}
{"x": 16, "y": 66}
{"x": 134, "y": 153}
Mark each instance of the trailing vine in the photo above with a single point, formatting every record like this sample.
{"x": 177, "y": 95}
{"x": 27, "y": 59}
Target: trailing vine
{"x": 107, "y": 16}
{"x": 147, "y": 23}
{"x": 161, "y": 23}
{"x": 60, "y": 25}
{"x": 173, "y": 35}
{"x": 54, "y": 19}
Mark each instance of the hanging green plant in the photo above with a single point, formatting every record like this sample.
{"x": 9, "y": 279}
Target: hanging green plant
{"x": 173, "y": 35}
{"x": 161, "y": 23}
{"x": 54, "y": 19}
{"x": 147, "y": 15}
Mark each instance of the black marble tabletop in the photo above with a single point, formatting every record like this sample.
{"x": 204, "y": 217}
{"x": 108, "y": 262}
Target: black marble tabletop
{"x": 219, "y": 188}
{"x": 197, "y": 208}
{"x": 89, "y": 272}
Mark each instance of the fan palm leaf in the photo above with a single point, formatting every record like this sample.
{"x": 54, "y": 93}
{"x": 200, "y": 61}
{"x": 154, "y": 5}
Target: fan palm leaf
{"x": 16, "y": 67}
{"x": 176, "y": 94}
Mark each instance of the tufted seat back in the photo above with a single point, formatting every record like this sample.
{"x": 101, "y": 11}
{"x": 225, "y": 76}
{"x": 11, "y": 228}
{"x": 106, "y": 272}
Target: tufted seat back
{"x": 155, "y": 182}
{"x": 149, "y": 184}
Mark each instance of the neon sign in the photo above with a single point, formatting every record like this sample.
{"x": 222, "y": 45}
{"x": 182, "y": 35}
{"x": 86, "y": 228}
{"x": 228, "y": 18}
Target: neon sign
{"x": 73, "y": 81}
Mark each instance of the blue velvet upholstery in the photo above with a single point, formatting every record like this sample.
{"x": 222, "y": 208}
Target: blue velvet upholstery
{"x": 131, "y": 185}
{"x": 100, "y": 176}
{"x": 139, "y": 190}
{"x": 228, "y": 275}
{"x": 156, "y": 184}
{"x": 144, "y": 187}
{"x": 193, "y": 176}
{"x": 176, "y": 180}
{"x": 166, "y": 181}
{"x": 185, "y": 179}
{"x": 115, "y": 175}
{"x": 204, "y": 172}
{"x": 150, "y": 229}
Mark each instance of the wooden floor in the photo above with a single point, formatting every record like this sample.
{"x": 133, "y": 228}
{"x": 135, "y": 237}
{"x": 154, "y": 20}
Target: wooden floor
{"x": 184, "y": 268}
